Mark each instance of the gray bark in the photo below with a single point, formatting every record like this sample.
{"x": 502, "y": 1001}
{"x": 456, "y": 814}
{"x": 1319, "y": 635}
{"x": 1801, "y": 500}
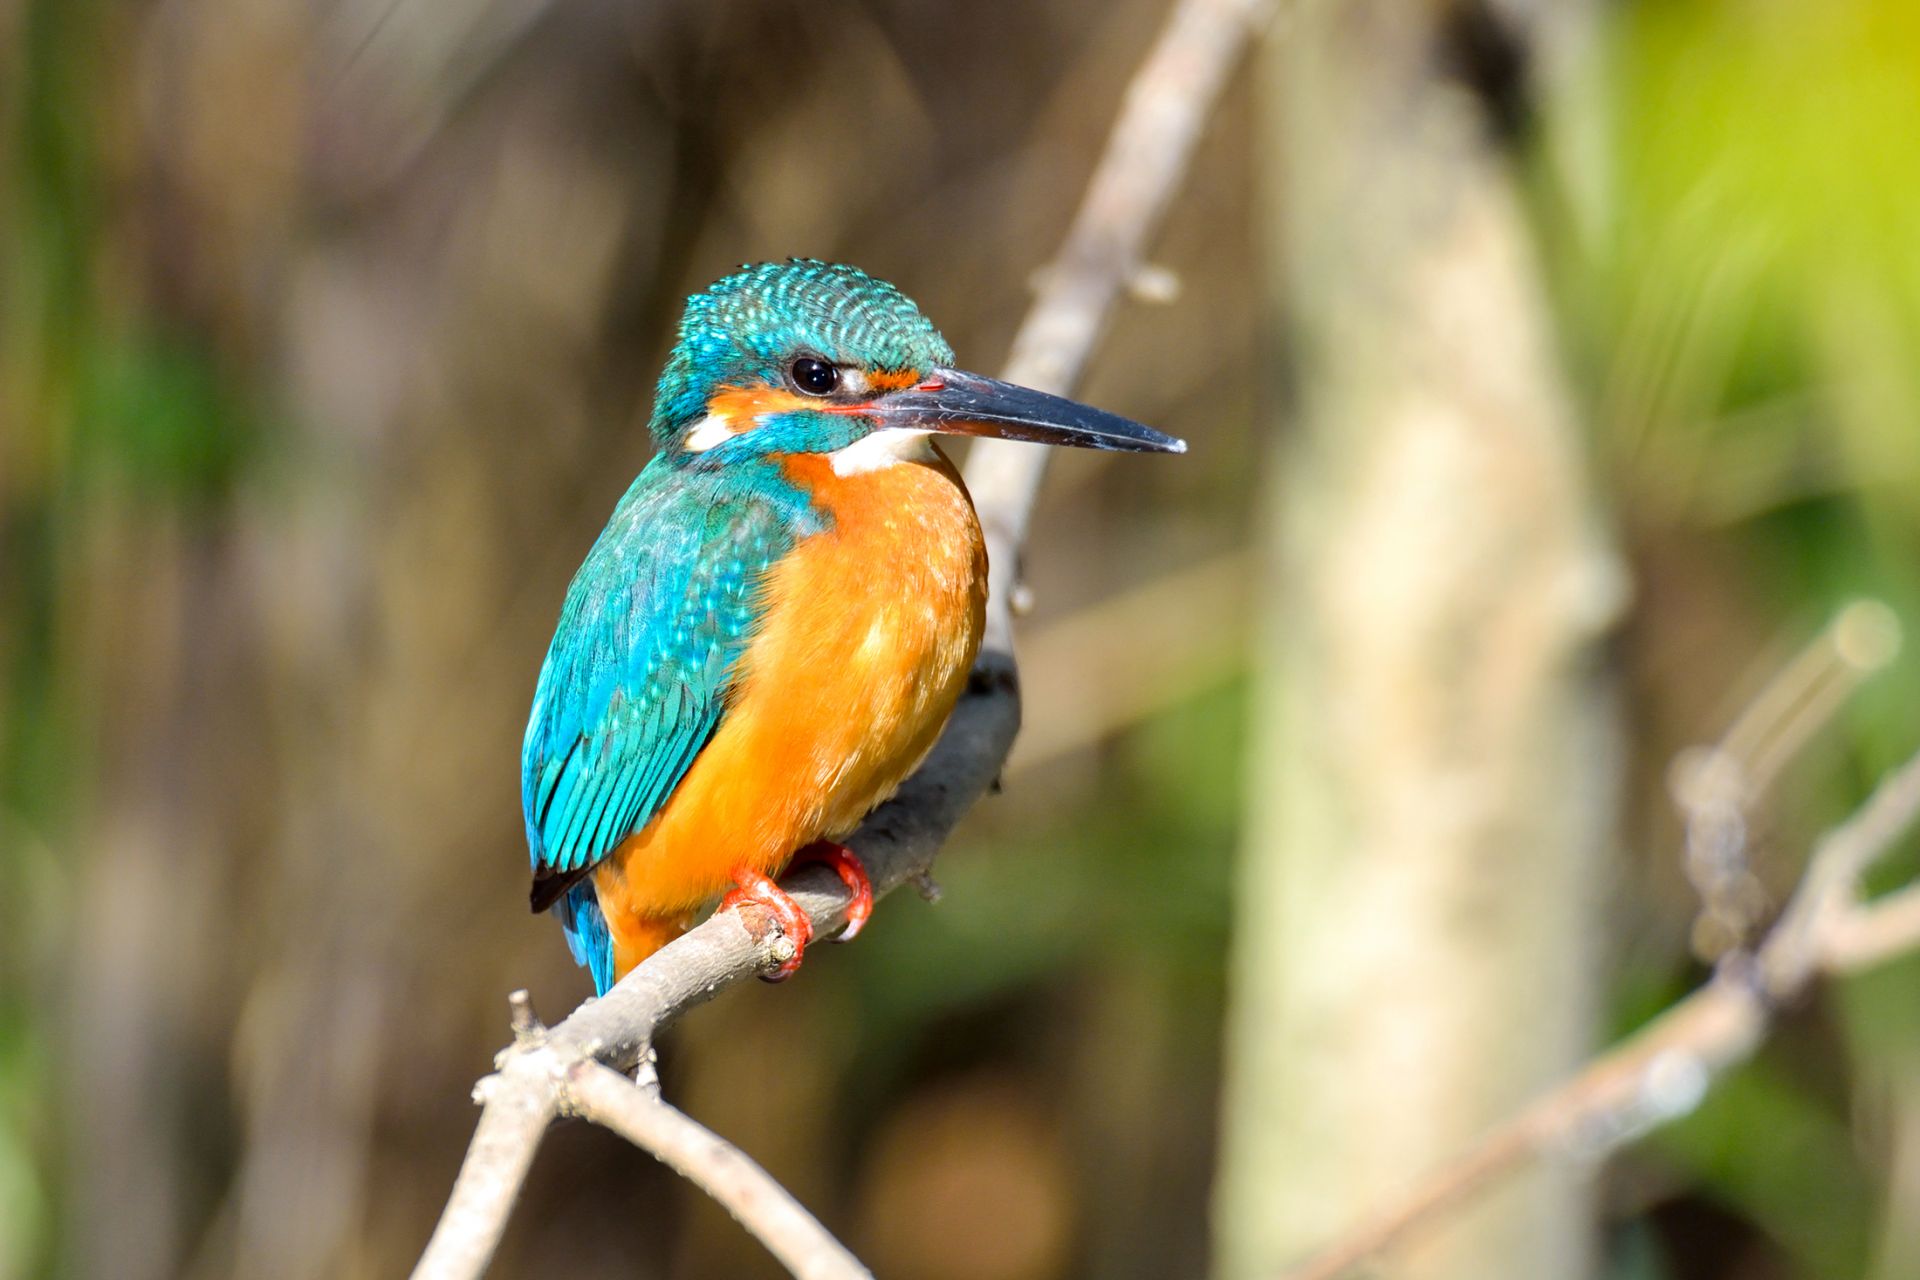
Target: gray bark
{"x": 1434, "y": 763}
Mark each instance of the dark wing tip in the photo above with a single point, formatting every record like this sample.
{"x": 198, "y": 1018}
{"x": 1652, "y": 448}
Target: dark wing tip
{"x": 550, "y": 885}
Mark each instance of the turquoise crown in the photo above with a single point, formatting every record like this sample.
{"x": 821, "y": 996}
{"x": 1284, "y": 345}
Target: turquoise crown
{"x": 744, "y": 328}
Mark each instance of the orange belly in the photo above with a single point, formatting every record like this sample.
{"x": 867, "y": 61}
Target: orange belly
{"x": 868, "y": 632}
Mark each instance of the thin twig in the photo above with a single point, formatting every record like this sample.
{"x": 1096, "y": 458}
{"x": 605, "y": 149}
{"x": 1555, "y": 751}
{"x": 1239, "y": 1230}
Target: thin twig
{"x": 1146, "y": 157}
{"x": 1663, "y": 1071}
{"x": 1718, "y": 788}
{"x": 1829, "y": 892}
{"x": 745, "y": 1190}
{"x": 1874, "y": 933}
{"x": 1625, "y": 1092}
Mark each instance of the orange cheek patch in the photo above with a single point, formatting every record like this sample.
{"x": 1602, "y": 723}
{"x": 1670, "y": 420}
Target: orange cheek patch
{"x": 741, "y": 405}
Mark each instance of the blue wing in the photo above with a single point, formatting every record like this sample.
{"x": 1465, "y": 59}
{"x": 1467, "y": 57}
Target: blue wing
{"x": 636, "y": 679}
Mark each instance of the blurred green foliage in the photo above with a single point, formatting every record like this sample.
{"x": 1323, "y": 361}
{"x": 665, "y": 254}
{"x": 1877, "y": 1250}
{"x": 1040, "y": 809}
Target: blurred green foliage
{"x": 1744, "y": 315}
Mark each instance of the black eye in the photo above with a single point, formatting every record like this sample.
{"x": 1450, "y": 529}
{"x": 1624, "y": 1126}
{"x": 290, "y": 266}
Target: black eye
{"x": 815, "y": 377}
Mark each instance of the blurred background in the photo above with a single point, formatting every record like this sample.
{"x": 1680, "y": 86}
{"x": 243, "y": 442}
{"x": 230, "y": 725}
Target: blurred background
{"x": 1552, "y": 372}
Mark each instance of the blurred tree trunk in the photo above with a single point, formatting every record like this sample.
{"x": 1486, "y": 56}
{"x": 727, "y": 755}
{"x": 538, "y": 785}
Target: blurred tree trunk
{"x": 1435, "y": 757}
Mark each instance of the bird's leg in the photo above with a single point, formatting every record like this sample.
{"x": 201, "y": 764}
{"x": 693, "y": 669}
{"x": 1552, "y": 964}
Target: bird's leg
{"x": 795, "y": 924}
{"x": 844, "y": 863}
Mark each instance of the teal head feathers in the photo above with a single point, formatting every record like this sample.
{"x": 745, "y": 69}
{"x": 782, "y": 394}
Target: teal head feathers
{"x": 744, "y": 329}
{"x": 805, "y": 356}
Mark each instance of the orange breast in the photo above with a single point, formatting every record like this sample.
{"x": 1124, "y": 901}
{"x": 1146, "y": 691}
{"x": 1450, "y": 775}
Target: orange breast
{"x": 867, "y": 636}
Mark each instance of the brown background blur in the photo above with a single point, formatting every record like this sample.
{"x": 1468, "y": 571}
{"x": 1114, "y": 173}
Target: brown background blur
{"x": 327, "y": 335}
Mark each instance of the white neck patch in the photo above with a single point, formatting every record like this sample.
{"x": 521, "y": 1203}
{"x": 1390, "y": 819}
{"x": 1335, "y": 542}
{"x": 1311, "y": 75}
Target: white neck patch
{"x": 880, "y": 449}
{"x": 709, "y": 431}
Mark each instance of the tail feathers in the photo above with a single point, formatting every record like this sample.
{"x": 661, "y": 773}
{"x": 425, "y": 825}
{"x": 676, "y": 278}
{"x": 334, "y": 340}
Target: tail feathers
{"x": 587, "y": 934}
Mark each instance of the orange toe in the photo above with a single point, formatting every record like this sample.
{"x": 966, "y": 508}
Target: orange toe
{"x": 794, "y": 922}
{"x": 844, "y": 863}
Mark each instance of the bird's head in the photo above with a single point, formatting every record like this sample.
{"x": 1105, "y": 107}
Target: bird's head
{"x": 813, "y": 357}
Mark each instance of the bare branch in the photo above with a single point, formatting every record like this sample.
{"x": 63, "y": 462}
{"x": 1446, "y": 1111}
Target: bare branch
{"x": 745, "y": 1190}
{"x": 1662, "y": 1072}
{"x": 1718, "y": 788}
{"x": 1655, "y": 1074}
{"x": 1875, "y": 932}
{"x": 1829, "y": 893}
{"x": 512, "y": 1122}
{"x": 543, "y": 1073}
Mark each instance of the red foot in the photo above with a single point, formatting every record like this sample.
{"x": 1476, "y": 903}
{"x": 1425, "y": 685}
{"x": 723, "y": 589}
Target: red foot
{"x": 844, "y": 863}
{"x": 793, "y": 921}
{"x": 794, "y": 924}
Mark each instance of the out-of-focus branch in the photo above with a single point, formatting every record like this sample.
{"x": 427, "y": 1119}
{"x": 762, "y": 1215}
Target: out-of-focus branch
{"x": 544, "y": 1072}
{"x": 1717, "y": 787}
{"x": 1084, "y": 666}
{"x": 1659, "y": 1072}
{"x": 1875, "y": 932}
{"x": 1664, "y": 1070}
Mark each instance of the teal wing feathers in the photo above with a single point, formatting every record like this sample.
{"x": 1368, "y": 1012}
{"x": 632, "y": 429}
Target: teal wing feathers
{"x": 636, "y": 679}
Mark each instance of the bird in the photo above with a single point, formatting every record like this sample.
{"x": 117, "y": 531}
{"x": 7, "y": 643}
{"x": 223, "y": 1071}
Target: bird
{"x": 779, "y": 616}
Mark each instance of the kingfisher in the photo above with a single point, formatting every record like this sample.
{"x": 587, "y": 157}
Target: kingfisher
{"x": 779, "y": 616}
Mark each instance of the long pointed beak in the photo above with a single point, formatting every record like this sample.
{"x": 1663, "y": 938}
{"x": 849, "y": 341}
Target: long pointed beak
{"x": 966, "y": 404}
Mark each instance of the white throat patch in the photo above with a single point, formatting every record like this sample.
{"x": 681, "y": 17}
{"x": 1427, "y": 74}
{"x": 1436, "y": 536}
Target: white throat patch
{"x": 880, "y": 449}
{"x": 708, "y": 432}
